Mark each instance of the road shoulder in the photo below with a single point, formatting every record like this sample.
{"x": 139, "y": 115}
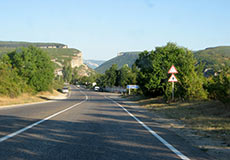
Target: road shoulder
{"x": 214, "y": 148}
{"x": 38, "y": 99}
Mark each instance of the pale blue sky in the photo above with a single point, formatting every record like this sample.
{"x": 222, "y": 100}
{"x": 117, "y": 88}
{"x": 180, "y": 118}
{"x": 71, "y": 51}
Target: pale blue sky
{"x": 102, "y": 28}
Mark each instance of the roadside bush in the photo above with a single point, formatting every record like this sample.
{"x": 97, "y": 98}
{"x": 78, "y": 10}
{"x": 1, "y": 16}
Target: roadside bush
{"x": 219, "y": 86}
{"x": 11, "y": 84}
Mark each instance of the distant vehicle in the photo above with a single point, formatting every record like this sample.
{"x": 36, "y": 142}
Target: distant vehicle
{"x": 100, "y": 90}
{"x": 96, "y": 88}
{"x": 65, "y": 90}
{"x": 78, "y": 86}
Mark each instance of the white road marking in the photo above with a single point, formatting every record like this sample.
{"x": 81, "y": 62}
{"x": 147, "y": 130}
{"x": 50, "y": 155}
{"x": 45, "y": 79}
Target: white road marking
{"x": 43, "y": 120}
{"x": 173, "y": 149}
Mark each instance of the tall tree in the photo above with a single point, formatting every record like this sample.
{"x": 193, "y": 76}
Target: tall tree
{"x": 67, "y": 73}
{"x": 111, "y": 76}
{"x": 124, "y": 76}
{"x": 34, "y": 66}
{"x": 154, "y": 66}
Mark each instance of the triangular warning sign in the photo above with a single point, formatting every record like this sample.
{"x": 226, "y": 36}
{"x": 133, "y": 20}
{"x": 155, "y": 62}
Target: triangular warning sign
{"x": 172, "y": 70}
{"x": 172, "y": 78}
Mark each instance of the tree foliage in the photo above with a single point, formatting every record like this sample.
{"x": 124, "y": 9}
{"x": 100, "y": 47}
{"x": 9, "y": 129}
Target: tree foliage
{"x": 118, "y": 77}
{"x": 219, "y": 86}
{"x": 67, "y": 73}
{"x": 25, "y": 70}
{"x": 111, "y": 76}
{"x": 34, "y": 66}
{"x": 153, "y": 76}
{"x": 11, "y": 84}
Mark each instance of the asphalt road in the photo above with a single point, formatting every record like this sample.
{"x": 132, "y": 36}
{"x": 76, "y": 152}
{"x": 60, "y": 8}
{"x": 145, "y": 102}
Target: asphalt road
{"x": 87, "y": 125}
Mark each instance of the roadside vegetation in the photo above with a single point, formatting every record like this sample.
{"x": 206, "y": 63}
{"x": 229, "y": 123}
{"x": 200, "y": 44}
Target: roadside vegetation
{"x": 150, "y": 72}
{"x": 201, "y": 103}
{"x": 25, "y": 70}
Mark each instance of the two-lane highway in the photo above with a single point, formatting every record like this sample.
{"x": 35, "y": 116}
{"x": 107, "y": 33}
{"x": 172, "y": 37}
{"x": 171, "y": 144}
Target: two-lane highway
{"x": 87, "y": 125}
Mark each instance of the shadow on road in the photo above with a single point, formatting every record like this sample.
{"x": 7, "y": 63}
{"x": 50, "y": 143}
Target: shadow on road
{"x": 79, "y": 140}
{"x": 102, "y": 132}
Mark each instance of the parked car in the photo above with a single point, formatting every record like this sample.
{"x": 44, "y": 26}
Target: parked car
{"x": 65, "y": 90}
{"x": 96, "y": 88}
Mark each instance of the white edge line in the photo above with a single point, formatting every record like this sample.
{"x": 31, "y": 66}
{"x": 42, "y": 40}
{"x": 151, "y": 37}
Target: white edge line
{"x": 43, "y": 120}
{"x": 173, "y": 149}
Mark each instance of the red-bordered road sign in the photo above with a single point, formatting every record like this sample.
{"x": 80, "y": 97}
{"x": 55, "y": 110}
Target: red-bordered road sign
{"x": 173, "y": 78}
{"x": 172, "y": 70}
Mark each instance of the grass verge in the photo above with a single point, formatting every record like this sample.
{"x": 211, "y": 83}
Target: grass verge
{"x": 27, "y": 98}
{"x": 207, "y": 118}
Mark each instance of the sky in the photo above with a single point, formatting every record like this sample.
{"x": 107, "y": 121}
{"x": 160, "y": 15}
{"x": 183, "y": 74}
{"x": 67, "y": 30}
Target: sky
{"x": 103, "y": 28}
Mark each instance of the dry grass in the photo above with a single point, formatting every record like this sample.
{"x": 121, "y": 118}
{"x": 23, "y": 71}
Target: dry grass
{"x": 209, "y": 118}
{"x": 27, "y": 98}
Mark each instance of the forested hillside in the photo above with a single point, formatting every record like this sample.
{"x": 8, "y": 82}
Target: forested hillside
{"x": 126, "y": 58}
{"x": 214, "y": 57}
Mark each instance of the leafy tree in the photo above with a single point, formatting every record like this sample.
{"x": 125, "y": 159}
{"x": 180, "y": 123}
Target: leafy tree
{"x": 67, "y": 73}
{"x": 133, "y": 77}
{"x": 219, "y": 86}
{"x": 34, "y": 66}
{"x": 75, "y": 75}
{"x": 10, "y": 83}
{"x": 111, "y": 76}
{"x": 153, "y": 76}
{"x": 125, "y": 76}
{"x": 101, "y": 80}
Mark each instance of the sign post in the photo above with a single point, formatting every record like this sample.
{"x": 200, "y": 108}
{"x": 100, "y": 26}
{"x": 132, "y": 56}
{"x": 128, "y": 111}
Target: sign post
{"x": 132, "y": 87}
{"x": 172, "y": 78}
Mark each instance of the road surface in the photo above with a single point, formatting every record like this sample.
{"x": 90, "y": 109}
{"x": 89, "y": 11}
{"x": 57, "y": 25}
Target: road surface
{"x": 87, "y": 126}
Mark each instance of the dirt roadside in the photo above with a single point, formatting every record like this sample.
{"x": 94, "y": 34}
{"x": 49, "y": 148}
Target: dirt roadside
{"x": 214, "y": 147}
{"x": 31, "y": 99}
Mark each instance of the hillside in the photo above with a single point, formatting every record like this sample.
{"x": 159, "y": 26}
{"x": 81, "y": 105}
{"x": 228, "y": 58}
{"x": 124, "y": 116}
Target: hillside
{"x": 123, "y": 58}
{"x": 93, "y": 63}
{"x": 59, "y": 53}
{"x": 15, "y": 44}
{"x": 214, "y": 57}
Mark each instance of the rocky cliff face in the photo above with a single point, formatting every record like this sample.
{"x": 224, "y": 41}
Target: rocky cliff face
{"x": 77, "y": 60}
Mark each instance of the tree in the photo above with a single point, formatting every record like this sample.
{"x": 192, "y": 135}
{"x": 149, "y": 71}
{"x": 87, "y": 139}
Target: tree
{"x": 111, "y": 76}
{"x": 34, "y": 66}
{"x": 11, "y": 84}
{"x": 153, "y": 76}
{"x": 67, "y": 73}
{"x": 219, "y": 86}
{"x": 125, "y": 76}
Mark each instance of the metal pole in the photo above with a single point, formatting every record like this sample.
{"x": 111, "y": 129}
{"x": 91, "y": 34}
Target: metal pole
{"x": 173, "y": 91}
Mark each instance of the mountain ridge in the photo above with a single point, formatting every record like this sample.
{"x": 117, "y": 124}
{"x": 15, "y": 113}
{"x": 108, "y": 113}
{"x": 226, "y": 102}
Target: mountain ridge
{"x": 121, "y": 59}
